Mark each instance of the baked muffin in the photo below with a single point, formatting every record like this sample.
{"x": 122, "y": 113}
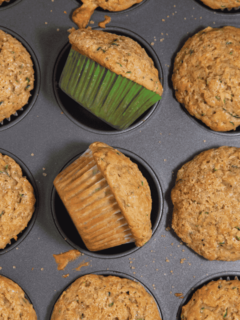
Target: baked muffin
{"x": 206, "y": 204}
{"x": 98, "y": 297}
{"x": 82, "y": 15}
{"x": 107, "y": 198}
{"x": 17, "y": 75}
{"x": 13, "y": 302}
{"x": 111, "y": 76}
{"x": 216, "y": 300}
{"x": 206, "y": 75}
{"x": 16, "y": 200}
{"x": 222, "y": 4}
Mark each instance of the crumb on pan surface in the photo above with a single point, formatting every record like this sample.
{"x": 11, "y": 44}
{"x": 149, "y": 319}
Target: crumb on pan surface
{"x": 17, "y": 75}
{"x": 107, "y": 198}
{"x": 222, "y": 4}
{"x": 206, "y": 77}
{"x": 14, "y": 304}
{"x": 64, "y": 258}
{"x": 82, "y": 15}
{"x": 206, "y": 204}
{"x": 16, "y": 200}
{"x": 217, "y": 300}
{"x": 107, "y": 20}
{"x": 94, "y": 297}
{"x": 120, "y": 54}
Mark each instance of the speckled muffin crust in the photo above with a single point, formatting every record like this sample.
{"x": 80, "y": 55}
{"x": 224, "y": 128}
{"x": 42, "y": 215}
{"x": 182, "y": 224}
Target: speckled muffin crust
{"x": 206, "y": 77}
{"x": 13, "y": 303}
{"x": 82, "y": 15}
{"x": 94, "y": 297}
{"x": 17, "y": 75}
{"x": 216, "y": 300}
{"x": 119, "y": 54}
{"x": 16, "y": 200}
{"x": 206, "y": 204}
{"x": 222, "y": 4}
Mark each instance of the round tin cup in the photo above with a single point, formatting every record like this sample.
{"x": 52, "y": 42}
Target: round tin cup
{"x": 8, "y": 5}
{"x": 115, "y": 274}
{"x": 204, "y": 127}
{"x": 82, "y": 117}
{"x": 231, "y": 275}
{"x": 99, "y": 9}
{"x": 68, "y": 231}
{"x": 25, "y": 294}
{"x": 23, "y": 234}
{"x": 21, "y": 113}
{"x": 231, "y": 11}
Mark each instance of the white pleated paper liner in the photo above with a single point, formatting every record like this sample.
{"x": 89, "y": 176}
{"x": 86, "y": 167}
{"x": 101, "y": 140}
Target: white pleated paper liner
{"x": 92, "y": 205}
{"x": 69, "y": 232}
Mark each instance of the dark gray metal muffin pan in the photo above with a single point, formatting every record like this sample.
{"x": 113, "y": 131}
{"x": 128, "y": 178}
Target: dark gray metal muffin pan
{"x": 47, "y": 138}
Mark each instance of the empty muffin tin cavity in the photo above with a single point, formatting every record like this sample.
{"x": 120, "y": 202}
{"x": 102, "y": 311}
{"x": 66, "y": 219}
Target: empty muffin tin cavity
{"x": 189, "y": 293}
{"x": 68, "y": 231}
{"x": 79, "y": 115}
{"x": 21, "y": 113}
{"x": 26, "y": 173}
{"x": 115, "y": 274}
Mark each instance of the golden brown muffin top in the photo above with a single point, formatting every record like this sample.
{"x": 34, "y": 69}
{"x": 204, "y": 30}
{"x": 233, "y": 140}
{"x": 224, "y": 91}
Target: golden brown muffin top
{"x": 16, "y": 200}
{"x": 17, "y": 75}
{"x": 130, "y": 188}
{"x": 221, "y": 4}
{"x": 119, "y": 54}
{"x": 13, "y": 303}
{"x": 82, "y": 15}
{"x": 206, "y": 204}
{"x": 216, "y": 300}
{"x": 206, "y": 77}
{"x": 94, "y": 297}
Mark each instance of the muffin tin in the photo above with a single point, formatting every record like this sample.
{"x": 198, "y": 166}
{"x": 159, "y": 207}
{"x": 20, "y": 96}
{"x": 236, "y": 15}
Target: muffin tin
{"x": 48, "y": 137}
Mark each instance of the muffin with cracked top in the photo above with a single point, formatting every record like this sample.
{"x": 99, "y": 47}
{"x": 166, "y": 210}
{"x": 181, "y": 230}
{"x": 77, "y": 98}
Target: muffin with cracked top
{"x": 95, "y": 297}
{"x": 206, "y": 204}
{"x": 206, "y": 77}
{"x": 217, "y": 300}
{"x": 17, "y": 75}
{"x": 13, "y": 302}
{"x": 16, "y": 200}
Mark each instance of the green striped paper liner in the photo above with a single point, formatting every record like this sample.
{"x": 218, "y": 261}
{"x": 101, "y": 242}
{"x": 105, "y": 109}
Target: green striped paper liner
{"x": 114, "y": 99}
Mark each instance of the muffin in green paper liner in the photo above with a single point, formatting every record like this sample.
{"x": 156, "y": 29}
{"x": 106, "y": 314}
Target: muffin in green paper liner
{"x": 111, "y": 76}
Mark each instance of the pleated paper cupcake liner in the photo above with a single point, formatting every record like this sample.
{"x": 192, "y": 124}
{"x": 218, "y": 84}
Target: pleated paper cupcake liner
{"x": 92, "y": 205}
{"x": 114, "y": 99}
